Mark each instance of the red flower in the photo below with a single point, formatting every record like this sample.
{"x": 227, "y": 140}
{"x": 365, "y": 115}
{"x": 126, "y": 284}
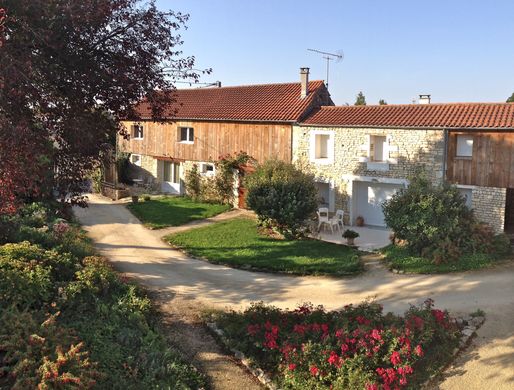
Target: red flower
{"x": 300, "y": 329}
{"x": 333, "y": 358}
{"x": 371, "y": 386}
{"x": 376, "y": 334}
{"x": 438, "y": 315}
{"x": 395, "y": 358}
{"x": 291, "y": 367}
{"x": 314, "y": 370}
{"x": 418, "y": 350}
{"x": 253, "y": 329}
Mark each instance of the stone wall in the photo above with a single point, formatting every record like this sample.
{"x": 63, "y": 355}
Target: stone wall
{"x": 489, "y": 206}
{"x": 410, "y": 149}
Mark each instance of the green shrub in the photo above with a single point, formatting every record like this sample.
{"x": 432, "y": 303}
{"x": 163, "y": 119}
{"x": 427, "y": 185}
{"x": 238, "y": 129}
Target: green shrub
{"x": 31, "y": 274}
{"x": 193, "y": 183}
{"x": 283, "y": 196}
{"x": 9, "y": 227}
{"x": 433, "y": 220}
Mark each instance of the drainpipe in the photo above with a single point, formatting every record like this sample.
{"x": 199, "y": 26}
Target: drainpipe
{"x": 445, "y": 153}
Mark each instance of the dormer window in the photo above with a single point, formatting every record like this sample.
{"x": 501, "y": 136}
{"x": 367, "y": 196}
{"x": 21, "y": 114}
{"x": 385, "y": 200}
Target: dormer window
{"x": 186, "y": 135}
{"x": 137, "y": 131}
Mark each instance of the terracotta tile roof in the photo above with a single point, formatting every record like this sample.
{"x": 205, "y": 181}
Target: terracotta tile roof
{"x": 449, "y": 115}
{"x": 266, "y": 102}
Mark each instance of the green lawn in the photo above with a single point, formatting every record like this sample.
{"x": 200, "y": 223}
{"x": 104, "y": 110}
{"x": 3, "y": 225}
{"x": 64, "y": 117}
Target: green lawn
{"x": 173, "y": 211}
{"x": 400, "y": 259}
{"x": 237, "y": 243}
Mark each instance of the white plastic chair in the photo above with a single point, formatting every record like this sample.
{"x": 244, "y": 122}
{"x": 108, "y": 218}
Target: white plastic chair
{"x": 323, "y": 218}
{"x": 338, "y": 219}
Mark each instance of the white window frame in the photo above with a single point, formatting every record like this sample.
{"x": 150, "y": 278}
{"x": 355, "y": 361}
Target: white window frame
{"x": 330, "y": 147}
{"x": 204, "y": 171}
{"x": 385, "y": 150}
{"x": 139, "y": 159}
{"x": 175, "y": 169}
{"x": 464, "y": 149}
{"x": 138, "y": 125}
{"x": 190, "y": 134}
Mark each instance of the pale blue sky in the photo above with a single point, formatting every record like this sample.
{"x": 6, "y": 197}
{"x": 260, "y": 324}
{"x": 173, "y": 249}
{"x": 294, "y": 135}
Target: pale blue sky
{"x": 455, "y": 50}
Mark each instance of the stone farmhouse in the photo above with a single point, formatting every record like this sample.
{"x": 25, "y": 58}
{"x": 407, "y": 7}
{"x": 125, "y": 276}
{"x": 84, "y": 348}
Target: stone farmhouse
{"x": 361, "y": 155}
{"x": 212, "y": 122}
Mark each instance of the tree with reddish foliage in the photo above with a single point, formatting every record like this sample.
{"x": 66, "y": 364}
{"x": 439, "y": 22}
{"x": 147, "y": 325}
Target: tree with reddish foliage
{"x": 70, "y": 71}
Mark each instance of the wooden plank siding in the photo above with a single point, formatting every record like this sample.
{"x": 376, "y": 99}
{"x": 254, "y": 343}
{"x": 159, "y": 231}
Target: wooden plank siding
{"x": 213, "y": 139}
{"x": 491, "y": 163}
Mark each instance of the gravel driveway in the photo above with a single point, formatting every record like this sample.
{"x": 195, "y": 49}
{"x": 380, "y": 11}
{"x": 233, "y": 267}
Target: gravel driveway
{"x": 488, "y": 363}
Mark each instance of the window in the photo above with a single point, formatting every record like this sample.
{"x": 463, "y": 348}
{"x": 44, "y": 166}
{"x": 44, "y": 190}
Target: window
{"x": 378, "y": 148}
{"x": 186, "y": 134}
{"x": 135, "y": 159}
{"x": 322, "y": 147}
{"x": 207, "y": 169}
{"x": 464, "y": 145}
{"x": 171, "y": 172}
{"x": 137, "y": 131}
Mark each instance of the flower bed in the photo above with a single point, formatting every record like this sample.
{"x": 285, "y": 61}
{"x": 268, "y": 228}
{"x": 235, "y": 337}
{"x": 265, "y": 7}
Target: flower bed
{"x": 357, "y": 347}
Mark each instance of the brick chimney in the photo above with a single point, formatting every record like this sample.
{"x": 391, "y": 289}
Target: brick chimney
{"x": 304, "y": 78}
{"x": 424, "y": 99}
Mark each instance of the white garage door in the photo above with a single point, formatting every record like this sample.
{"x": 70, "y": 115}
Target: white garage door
{"x": 369, "y": 198}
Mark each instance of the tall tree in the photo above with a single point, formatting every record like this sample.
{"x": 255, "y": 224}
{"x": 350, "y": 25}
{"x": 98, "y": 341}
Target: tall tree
{"x": 382, "y": 102}
{"x": 360, "y": 100}
{"x": 511, "y": 98}
{"x": 70, "y": 71}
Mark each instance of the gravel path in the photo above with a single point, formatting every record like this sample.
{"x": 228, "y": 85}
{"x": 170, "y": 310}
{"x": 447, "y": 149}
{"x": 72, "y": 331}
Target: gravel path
{"x": 139, "y": 252}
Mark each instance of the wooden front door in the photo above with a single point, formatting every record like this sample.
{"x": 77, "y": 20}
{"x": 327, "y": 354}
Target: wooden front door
{"x": 241, "y": 190}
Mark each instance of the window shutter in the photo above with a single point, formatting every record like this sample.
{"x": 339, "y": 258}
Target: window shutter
{"x": 392, "y": 151}
{"x": 312, "y": 146}
{"x": 364, "y": 154}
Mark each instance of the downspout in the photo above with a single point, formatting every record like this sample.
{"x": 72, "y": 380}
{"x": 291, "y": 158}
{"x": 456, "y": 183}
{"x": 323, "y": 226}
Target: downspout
{"x": 445, "y": 153}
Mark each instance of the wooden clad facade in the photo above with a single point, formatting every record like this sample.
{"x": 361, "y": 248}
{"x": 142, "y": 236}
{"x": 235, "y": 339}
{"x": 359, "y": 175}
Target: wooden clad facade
{"x": 212, "y": 139}
{"x": 491, "y": 163}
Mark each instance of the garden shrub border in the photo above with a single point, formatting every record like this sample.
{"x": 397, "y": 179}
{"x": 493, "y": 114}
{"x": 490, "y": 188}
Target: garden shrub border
{"x": 468, "y": 325}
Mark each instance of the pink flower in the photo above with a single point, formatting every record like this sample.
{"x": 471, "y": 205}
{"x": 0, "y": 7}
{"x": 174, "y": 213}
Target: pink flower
{"x": 375, "y": 334}
{"x": 395, "y": 358}
{"x": 300, "y": 329}
{"x": 291, "y": 367}
{"x": 314, "y": 370}
{"x": 333, "y": 358}
{"x": 438, "y": 315}
{"x": 371, "y": 386}
{"x": 418, "y": 350}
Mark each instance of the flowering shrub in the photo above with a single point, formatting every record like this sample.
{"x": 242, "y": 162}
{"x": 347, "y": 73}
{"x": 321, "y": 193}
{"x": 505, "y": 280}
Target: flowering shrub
{"x": 60, "y": 228}
{"x": 106, "y": 334}
{"x": 355, "y": 348}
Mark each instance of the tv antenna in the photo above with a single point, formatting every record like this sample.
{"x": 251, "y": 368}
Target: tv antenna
{"x": 338, "y": 57}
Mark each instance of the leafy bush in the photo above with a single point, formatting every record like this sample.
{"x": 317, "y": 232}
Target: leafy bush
{"x": 357, "y": 347}
{"x": 283, "y": 196}
{"x": 193, "y": 183}
{"x": 102, "y": 318}
{"x": 433, "y": 220}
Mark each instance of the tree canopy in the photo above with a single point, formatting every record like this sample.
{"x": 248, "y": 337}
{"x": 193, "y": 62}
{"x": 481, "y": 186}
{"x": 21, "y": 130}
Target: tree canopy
{"x": 511, "y": 98}
{"x": 70, "y": 71}
{"x": 382, "y": 102}
{"x": 360, "y": 99}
